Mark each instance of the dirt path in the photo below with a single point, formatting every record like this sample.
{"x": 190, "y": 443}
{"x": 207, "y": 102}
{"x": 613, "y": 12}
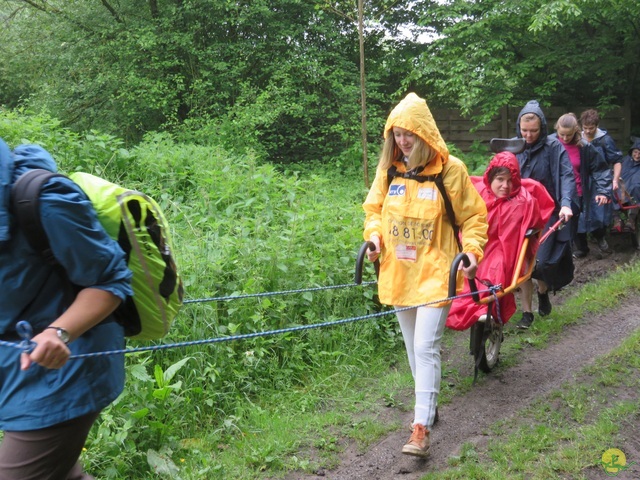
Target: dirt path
{"x": 538, "y": 372}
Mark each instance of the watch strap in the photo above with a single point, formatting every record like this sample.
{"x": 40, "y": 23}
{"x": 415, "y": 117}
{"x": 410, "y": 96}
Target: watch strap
{"x": 62, "y": 333}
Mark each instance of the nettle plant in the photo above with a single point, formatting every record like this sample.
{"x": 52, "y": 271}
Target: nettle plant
{"x": 239, "y": 227}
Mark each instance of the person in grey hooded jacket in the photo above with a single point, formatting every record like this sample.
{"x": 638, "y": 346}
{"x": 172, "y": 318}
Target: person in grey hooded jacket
{"x": 545, "y": 160}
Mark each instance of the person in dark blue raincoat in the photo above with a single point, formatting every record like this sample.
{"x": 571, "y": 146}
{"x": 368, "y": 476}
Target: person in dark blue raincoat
{"x": 600, "y": 215}
{"x": 48, "y": 402}
{"x": 592, "y": 174}
{"x": 545, "y": 160}
{"x": 629, "y": 182}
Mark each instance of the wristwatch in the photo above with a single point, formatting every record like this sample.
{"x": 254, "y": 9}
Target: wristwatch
{"x": 62, "y": 334}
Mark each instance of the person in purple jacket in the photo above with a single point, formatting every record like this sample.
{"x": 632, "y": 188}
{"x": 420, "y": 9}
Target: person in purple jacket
{"x": 48, "y": 403}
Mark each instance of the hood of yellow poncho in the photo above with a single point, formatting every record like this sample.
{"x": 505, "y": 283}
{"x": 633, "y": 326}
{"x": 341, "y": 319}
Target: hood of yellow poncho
{"x": 413, "y": 114}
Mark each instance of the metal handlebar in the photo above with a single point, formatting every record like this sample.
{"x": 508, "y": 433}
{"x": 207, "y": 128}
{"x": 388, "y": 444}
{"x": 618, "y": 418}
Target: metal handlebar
{"x": 453, "y": 277}
{"x": 360, "y": 260}
{"x": 556, "y": 226}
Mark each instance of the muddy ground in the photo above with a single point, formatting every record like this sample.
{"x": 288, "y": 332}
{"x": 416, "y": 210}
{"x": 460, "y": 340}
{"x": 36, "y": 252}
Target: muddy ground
{"x": 537, "y": 372}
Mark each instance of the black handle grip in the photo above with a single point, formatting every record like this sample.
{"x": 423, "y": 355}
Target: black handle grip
{"x": 453, "y": 276}
{"x": 360, "y": 261}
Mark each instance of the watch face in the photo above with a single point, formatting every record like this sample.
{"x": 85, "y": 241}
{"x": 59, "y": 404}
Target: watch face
{"x": 63, "y": 335}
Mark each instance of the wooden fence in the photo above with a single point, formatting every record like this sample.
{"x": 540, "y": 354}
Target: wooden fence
{"x": 457, "y": 129}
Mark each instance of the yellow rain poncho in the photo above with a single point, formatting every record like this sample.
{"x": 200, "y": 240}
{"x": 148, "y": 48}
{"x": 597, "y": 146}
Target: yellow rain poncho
{"x": 417, "y": 239}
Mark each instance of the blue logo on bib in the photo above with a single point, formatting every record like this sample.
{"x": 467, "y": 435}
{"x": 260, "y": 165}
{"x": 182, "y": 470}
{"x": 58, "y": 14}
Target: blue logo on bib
{"x": 397, "y": 190}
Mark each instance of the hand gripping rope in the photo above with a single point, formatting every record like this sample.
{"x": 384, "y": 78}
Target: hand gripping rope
{"x": 25, "y": 330}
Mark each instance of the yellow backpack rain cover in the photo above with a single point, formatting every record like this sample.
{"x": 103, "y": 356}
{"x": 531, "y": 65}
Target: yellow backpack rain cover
{"x": 137, "y": 223}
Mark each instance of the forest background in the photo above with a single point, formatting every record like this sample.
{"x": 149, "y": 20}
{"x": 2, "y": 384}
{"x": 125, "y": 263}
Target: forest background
{"x": 244, "y": 119}
{"x": 282, "y": 77}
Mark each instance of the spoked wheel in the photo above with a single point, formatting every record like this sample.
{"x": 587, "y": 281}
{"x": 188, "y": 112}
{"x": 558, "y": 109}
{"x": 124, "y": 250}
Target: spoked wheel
{"x": 486, "y": 340}
{"x": 491, "y": 343}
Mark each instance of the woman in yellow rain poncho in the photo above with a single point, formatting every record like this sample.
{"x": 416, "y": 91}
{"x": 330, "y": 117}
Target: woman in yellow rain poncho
{"x": 407, "y": 221}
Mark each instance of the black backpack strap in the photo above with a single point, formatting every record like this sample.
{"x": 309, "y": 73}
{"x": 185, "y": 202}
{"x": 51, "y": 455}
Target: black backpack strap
{"x": 449, "y": 209}
{"x": 25, "y": 202}
{"x": 392, "y": 172}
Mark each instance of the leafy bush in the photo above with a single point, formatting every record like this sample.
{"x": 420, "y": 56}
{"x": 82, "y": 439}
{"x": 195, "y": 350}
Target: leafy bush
{"x": 239, "y": 227}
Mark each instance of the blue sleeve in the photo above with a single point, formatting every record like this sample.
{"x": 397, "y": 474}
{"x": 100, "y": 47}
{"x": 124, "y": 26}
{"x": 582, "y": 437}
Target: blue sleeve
{"x": 599, "y": 171}
{"x": 79, "y": 243}
{"x": 611, "y": 153}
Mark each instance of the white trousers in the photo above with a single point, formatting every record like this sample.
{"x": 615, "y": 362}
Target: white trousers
{"x": 422, "y": 330}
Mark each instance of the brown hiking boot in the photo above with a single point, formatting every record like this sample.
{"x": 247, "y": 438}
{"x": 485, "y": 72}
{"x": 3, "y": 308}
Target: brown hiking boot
{"x": 418, "y": 445}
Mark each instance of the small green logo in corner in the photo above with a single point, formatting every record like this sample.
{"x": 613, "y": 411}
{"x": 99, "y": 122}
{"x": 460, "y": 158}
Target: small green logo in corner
{"x": 614, "y": 461}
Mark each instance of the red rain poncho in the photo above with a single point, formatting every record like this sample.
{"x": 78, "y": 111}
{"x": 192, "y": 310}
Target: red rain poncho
{"x": 528, "y": 206}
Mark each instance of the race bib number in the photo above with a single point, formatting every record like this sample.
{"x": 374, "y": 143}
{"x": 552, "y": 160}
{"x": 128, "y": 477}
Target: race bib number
{"x": 406, "y": 231}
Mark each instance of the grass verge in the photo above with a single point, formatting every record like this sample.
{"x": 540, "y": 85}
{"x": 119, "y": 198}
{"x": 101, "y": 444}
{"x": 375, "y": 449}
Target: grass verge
{"x": 562, "y": 436}
{"x": 565, "y": 434}
{"x": 571, "y": 431}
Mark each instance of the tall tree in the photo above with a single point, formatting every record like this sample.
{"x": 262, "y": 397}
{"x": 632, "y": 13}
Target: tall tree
{"x": 279, "y": 75}
{"x": 495, "y": 52}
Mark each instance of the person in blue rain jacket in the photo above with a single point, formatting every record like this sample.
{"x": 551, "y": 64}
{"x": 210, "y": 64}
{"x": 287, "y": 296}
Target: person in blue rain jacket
{"x": 48, "y": 402}
{"x": 628, "y": 181}
{"x": 600, "y": 214}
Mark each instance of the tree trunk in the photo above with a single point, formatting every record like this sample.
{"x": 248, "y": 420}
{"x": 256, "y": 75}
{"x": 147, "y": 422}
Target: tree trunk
{"x": 363, "y": 95}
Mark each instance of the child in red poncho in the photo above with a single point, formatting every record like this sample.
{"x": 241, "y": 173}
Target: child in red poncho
{"x": 514, "y": 206}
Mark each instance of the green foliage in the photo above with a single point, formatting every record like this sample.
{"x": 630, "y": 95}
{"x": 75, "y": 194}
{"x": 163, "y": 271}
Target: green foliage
{"x": 239, "y": 227}
{"x": 278, "y": 78}
{"x": 476, "y": 159}
{"x": 496, "y": 53}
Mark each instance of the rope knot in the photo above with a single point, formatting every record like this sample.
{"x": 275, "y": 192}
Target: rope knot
{"x": 25, "y": 331}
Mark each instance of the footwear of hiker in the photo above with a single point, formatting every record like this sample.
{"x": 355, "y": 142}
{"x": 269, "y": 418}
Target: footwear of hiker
{"x": 544, "y": 305}
{"x": 418, "y": 444}
{"x": 579, "y": 254}
{"x": 435, "y": 420}
{"x": 603, "y": 245}
{"x": 526, "y": 320}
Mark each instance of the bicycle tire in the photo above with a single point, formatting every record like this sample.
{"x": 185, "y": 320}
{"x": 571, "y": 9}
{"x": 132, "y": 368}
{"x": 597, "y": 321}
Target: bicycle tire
{"x": 492, "y": 338}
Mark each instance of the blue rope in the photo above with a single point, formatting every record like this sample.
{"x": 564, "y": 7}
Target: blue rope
{"x": 497, "y": 302}
{"x": 24, "y": 330}
{"x": 272, "y": 294}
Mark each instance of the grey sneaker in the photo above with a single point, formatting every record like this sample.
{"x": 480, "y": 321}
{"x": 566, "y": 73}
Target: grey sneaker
{"x": 526, "y": 320}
